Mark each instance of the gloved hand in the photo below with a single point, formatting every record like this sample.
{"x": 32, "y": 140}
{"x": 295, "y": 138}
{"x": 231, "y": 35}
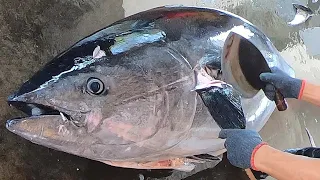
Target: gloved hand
{"x": 241, "y": 146}
{"x": 288, "y": 86}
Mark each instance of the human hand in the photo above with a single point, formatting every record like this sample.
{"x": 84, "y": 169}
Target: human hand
{"x": 288, "y": 86}
{"x": 241, "y": 146}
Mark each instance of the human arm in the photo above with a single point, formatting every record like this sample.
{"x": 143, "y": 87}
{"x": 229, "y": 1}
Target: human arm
{"x": 283, "y": 166}
{"x": 245, "y": 149}
{"x": 311, "y": 94}
{"x": 290, "y": 87}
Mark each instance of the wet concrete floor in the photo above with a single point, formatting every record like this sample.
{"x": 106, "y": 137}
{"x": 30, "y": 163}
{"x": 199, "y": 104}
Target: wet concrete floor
{"x": 34, "y": 31}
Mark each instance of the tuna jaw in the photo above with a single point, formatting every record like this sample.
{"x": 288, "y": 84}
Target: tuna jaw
{"x": 44, "y": 124}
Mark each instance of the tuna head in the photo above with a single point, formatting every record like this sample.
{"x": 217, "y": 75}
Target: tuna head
{"x": 91, "y": 103}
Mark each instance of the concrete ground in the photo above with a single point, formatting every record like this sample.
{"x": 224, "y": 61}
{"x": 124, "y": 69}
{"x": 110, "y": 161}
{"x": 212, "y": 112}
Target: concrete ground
{"x": 34, "y": 31}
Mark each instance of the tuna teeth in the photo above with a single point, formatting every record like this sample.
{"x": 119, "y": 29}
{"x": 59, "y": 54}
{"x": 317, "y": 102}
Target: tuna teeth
{"x": 76, "y": 123}
{"x": 64, "y": 118}
{"x": 98, "y": 53}
{"x": 36, "y": 111}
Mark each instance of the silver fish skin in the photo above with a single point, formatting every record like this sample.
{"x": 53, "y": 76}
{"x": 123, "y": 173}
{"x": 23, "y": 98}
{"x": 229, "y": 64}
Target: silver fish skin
{"x": 126, "y": 92}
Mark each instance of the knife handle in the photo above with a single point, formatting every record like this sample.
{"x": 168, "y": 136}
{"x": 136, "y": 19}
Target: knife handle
{"x": 280, "y": 101}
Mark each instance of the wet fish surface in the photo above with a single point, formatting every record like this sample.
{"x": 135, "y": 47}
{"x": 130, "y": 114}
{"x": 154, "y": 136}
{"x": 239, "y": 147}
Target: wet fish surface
{"x": 127, "y": 95}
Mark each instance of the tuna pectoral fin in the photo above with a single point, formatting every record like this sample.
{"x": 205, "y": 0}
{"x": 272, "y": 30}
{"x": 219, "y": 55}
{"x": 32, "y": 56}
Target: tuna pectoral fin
{"x": 224, "y": 105}
{"x": 181, "y": 164}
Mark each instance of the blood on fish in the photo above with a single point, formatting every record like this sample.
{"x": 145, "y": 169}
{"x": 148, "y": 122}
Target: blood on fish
{"x": 177, "y": 163}
{"x": 93, "y": 119}
{"x": 165, "y": 163}
{"x": 180, "y": 15}
{"x": 125, "y": 131}
{"x": 121, "y": 130}
{"x": 228, "y": 47}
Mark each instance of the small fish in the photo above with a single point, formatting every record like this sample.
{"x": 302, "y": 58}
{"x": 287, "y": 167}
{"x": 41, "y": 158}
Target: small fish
{"x": 303, "y": 13}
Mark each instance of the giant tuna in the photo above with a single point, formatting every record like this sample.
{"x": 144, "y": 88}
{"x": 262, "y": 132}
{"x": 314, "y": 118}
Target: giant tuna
{"x": 145, "y": 92}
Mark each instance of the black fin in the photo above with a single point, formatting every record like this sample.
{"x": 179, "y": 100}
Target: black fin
{"x": 206, "y": 157}
{"x": 311, "y": 152}
{"x": 224, "y": 105}
{"x": 259, "y": 175}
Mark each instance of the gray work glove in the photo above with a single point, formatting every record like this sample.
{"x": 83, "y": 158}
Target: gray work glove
{"x": 288, "y": 86}
{"x": 240, "y": 145}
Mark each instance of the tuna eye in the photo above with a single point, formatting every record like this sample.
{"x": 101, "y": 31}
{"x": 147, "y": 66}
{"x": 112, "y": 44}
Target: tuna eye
{"x": 95, "y": 86}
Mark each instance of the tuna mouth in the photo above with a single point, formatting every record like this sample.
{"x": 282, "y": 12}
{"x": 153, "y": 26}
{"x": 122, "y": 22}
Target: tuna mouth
{"x": 45, "y": 124}
{"x": 35, "y": 110}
